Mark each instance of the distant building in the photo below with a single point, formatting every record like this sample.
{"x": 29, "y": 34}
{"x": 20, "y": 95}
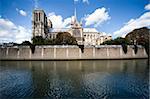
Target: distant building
{"x": 84, "y": 36}
{"x": 93, "y": 37}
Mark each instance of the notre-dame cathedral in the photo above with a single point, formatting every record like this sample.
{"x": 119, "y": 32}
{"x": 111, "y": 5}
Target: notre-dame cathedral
{"x": 42, "y": 26}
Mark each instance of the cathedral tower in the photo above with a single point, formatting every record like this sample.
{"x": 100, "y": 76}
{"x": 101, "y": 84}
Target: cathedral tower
{"x": 39, "y": 23}
{"x": 77, "y": 30}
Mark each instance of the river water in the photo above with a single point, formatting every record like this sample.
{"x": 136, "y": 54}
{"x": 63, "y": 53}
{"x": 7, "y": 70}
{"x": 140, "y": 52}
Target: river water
{"x": 101, "y": 79}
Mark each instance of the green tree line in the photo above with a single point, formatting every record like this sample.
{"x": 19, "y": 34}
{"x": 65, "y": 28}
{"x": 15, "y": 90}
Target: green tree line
{"x": 62, "y": 38}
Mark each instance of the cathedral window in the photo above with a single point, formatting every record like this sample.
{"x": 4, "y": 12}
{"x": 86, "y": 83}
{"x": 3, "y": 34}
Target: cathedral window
{"x": 39, "y": 16}
{"x": 76, "y": 32}
{"x": 88, "y": 36}
{"x": 36, "y": 16}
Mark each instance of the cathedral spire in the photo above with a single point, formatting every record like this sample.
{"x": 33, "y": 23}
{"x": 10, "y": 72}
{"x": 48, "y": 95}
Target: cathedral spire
{"x": 75, "y": 11}
{"x": 36, "y": 5}
{"x": 74, "y": 20}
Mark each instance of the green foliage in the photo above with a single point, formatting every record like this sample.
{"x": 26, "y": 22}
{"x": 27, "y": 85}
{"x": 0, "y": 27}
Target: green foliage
{"x": 141, "y": 36}
{"x": 26, "y": 43}
{"x": 144, "y": 43}
{"x": 38, "y": 40}
{"x": 117, "y": 41}
{"x": 138, "y": 36}
{"x": 49, "y": 42}
{"x": 65, "y": 39}
{"x": 61, "y": 39}
{"x": 109, "y": 42}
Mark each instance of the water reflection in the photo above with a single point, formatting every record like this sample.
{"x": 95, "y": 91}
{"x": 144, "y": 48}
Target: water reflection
{"x": 74, "y": 79}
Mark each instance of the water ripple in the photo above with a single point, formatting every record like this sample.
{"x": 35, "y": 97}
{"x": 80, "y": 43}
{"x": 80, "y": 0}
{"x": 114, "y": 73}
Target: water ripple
{"x": 15, "y": 83}
{"x": 104, "y": 85}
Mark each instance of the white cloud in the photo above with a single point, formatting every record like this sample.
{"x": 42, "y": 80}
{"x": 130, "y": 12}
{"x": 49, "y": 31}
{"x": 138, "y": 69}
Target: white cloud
{"x": 9, "y": 32}
{"x": 147, "y": 7}
{"x": 84, "y": 1}
{"x": 58, "y": 21}
{"x": 96, "y": 18}
{"x": 142, "y": 21}
{"x": 21, "y": 12}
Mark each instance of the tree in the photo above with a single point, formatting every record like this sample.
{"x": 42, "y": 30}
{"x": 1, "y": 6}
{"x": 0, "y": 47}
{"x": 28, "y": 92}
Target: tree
{"x": 49, "y": 41}
{"x": 38, "y": 40}
{"x": 26, "y": 43}
{"x": 65, "y": 38}
{"x": 140, "y": 36}
{"x": 62, "y": 38}
{"x": 117, "y": 41}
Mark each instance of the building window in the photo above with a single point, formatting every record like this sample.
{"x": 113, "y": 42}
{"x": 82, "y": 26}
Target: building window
{"x": 36, "y": 17}
{"x": 76, "y": 32}
{"x": 88, "y": 35}
{"x": 39, "y": 16}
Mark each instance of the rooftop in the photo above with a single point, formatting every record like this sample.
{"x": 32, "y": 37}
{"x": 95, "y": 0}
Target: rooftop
{"x": 89, "y": 30}
{"x": 58, "y": 29}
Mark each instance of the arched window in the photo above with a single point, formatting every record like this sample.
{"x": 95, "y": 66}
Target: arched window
{"x": 39, "y": 16}
{"x": 36, "y": 17}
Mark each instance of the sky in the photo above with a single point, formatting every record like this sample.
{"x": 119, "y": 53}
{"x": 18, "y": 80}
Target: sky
{"x": 113, "y": 17}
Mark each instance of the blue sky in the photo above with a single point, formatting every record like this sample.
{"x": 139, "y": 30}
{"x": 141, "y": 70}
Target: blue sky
{"x": 115, "y": 17}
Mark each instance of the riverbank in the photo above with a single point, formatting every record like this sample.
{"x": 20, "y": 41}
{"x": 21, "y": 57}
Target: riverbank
{"x": 107, "y": 52}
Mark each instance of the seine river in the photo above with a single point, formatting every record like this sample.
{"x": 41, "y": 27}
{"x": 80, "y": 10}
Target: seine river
{"x": 101, "y": 79}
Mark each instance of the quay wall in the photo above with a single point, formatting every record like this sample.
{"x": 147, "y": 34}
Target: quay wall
{"x": 70, "y": 53}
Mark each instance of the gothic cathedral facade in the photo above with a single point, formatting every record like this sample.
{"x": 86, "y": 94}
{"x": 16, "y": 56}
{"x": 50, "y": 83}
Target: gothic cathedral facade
{"x": 42, "y": 26}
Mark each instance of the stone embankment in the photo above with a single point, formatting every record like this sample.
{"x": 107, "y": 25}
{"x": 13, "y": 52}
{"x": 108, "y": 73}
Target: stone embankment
{"x": 71, "y": 53}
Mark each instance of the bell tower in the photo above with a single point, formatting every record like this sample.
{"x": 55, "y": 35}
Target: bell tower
{"x": 39, "y": 23}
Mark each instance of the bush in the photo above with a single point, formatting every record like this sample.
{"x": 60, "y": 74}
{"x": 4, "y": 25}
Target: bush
{"x": 62, "y": 38}
{"x": 146, "y": 46}
{"x": 135, "y": 49}
{"x": 81, "y": 47}
{"x": 32, "y": 47}
{"x": 125, "y": 48}
{"x": 117, "y": 41}
{"x": 38, "y": 40}
{"x": 27, "y": 43}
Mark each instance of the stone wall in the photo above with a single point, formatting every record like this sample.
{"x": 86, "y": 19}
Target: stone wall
{"x": 70, "y": 52}
{"x": 48, "y": 53}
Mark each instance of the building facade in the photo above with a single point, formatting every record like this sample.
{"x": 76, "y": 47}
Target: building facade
{"x": 40, "y": 23}
{"x": 41, "y": 26}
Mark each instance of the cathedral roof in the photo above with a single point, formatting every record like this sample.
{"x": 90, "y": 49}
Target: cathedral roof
{"x": 58, "y": 29}
{"x": 89, "y": 30}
